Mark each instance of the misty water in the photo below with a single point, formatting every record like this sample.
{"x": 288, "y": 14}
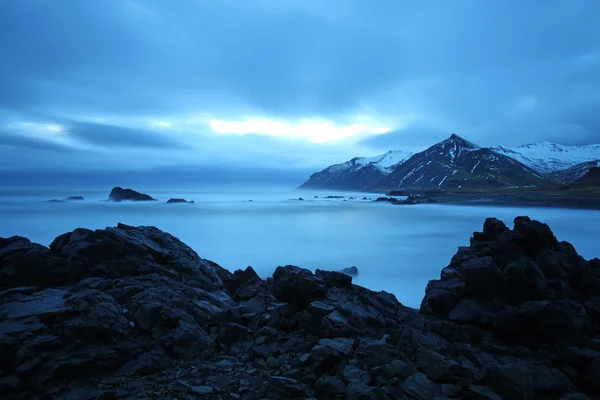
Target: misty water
{"x": 396, "y": 248}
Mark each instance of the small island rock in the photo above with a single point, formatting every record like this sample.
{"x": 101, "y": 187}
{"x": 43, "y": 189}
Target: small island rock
{"x": 120, "y": 194}
{"x": 176, "y": 200}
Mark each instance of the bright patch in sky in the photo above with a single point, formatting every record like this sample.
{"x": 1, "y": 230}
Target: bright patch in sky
{"x": 41, "y": 129}
{"x": 316, "y": 131}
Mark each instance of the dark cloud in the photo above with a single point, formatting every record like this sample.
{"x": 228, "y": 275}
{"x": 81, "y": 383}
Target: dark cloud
{"x": 9, "y": 141}
{"x": 120, "y": 137}
{"x": 503, "y": 72}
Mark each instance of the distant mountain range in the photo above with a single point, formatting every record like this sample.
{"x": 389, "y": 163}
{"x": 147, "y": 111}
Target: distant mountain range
{"x": 456, "y": 163}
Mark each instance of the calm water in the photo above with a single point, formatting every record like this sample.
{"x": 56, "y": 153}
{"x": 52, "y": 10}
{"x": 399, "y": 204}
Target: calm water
{"x": 396, "y": 248}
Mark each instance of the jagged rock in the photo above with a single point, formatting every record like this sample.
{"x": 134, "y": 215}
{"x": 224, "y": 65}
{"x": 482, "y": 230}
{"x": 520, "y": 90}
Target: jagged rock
{"x": 120, "y": 194}
{"x": 328, "y": 387}
{"x": 352, "y": 271}
{"x": 133, "y": 312}
{"x": 474, "y": 392}
{"x": 297, "y": 285}
{"x": 592, "y": 373}
{"x": 511, "y": 381}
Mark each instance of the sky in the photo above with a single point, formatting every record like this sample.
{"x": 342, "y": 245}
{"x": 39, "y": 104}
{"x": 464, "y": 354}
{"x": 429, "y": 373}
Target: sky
{"x": 288, "y": 85}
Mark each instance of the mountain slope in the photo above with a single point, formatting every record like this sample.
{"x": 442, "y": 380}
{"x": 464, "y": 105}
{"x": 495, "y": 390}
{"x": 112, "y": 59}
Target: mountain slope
{"x": 574, "y": 173}
{"x": 356, "y": 174}
{"x": 590, "y": 180}
{"x": 548, "y": 157}
{"x": 456, "y": 163}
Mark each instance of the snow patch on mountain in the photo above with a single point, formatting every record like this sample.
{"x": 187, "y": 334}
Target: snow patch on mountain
{"x": 385, "y": 162}
{"x": 546, "y": 157}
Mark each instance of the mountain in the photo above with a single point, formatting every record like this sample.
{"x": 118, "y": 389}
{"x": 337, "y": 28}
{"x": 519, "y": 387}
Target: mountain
{"x": 590, "y": 179}
{"x": 548, "y": 157}
{"x": 358, "y": 173}
{"x": 456, "y": 163}
{"x": 574, "y": 173}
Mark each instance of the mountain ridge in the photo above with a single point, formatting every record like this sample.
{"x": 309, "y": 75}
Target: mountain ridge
{"x": 458, "y": 163}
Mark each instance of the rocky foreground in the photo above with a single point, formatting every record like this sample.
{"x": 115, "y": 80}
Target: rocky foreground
{"x": 132, "y": 312}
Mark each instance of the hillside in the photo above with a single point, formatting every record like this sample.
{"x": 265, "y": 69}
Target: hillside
{"x": 574, "y": 173}
{"x": 546, "y": 157}
{"x": 356, "y": 174}
{"x": 456, "y": 163}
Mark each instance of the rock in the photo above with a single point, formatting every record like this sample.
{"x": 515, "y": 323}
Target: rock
{"x": 330, "y": 352}
{"x": 120, "y": 194}
{"x": 133, "y": 312}
{"x": 334, "y": 279}
{"x": 483, "y": 279}
{"x": 282, "y": 388}
{"x": 511, "y": 381}
{"x": 328, "y": 387}
{"x": 352, "y": 271}
{"x": 74, "y": 198}
{"x": 174, "y": 200}
{"x": 418, "y": 386}
{"x": 233, "y": 333}
{"x": 474, "y": 392}
{"x": 300, "y": 199}
{"x": 297, "y": 286}
{"x": 592, "y": 373}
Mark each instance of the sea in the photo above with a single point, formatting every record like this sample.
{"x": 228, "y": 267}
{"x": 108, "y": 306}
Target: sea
{"x": 396, "y": 248}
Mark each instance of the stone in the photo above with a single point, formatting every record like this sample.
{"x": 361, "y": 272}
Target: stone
{"x": 511, "y": 381}
{"x": 418, "y": 386}
{"x": 177, "y": 200}
{"x": 483, "y": 279}
{"x": 352, "y": 271}
{"x": 474, "y": 392}
{"x": 328, "y": 387}
{"x": 281, "y": 387}
{"x": 120, "y": 194}
{"x": 592, "y": 373}
{"x": 297, "y": 286}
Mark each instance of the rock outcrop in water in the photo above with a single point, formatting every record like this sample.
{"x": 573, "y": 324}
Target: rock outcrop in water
{"x": 176, "y": 200}
{"x": 120, "y": 194}
{"x": 132, "y": 312}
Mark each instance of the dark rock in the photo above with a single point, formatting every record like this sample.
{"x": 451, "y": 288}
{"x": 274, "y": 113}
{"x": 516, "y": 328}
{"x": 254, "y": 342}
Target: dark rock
{"x": 131, "y": 312}
{"x": 511, "y": 381}
{"x": 328, "y": 387}
{"x": 284, "y": 388}
{"x": 334, "y": 197}
{"x": 474, "y": 392}
{"x": 233, "y": 333}
{"x": 171, "y": 201}
{"x": 418, "y": 386}
{"x": 592, "y": 373}
{"x": 334, "y": 279}
{"x": 297, "y": 286}
{"x": 120, "y": 194}
{"x": 300, "y": 199}
{"x": 74, "y": 198}
{"x": 483, "y": 279}
{"x": 352, "y": 271}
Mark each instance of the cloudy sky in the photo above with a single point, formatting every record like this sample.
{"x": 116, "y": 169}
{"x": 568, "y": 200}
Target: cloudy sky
{"x": 289, "y": 84}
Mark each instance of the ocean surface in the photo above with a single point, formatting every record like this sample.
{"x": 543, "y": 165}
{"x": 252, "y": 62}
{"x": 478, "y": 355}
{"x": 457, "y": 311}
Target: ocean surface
{"x": 396, "y": 248}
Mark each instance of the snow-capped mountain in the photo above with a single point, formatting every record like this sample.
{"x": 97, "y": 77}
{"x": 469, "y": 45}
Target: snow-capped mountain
{"x": 358, "y": 173}
{"x": 456, "y": 163}
{"x": 574, "y": 173}
{"x": 548, "y": 157}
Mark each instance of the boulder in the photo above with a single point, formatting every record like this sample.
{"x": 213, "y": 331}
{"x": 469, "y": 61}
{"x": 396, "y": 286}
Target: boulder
{"x": 120, "y": 194}
{"x": 75, "y": 198}
{"x": 297, "y": 286}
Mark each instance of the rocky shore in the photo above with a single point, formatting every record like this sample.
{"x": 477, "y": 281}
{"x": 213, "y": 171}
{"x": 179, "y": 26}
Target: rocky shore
{"x": 132, "y": 312}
